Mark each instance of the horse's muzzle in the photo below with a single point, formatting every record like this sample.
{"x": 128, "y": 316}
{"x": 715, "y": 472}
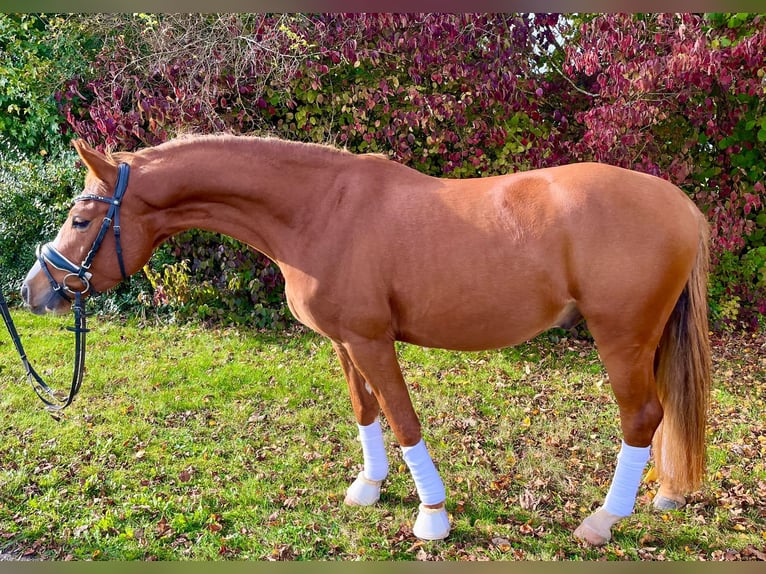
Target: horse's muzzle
{"x": 38, "y": 296}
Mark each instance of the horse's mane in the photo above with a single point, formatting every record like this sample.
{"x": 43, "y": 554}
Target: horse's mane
{"x": 288, "y": 146}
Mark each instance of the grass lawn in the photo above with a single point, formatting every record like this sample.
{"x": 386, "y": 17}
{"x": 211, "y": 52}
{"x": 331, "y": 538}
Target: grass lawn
{"x": 194, "y": 443}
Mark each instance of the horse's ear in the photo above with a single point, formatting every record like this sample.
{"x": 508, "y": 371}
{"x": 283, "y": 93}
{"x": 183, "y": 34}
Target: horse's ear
{"x": 96, "y": 162}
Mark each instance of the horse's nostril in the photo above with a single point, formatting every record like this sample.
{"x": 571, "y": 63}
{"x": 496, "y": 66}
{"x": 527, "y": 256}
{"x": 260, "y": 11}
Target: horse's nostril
{"x": 25, "y": 293}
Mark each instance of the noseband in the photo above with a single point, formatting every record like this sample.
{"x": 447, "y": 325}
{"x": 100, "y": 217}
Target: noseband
{"x": 48, "y": 255}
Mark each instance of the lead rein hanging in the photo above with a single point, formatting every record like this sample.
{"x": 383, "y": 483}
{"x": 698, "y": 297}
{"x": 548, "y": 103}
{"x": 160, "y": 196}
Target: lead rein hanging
{"x": 53, "y": 403}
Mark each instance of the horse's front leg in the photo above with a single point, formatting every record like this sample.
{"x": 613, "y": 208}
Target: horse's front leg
{"x": 365, "y": 490}
{"x": 377, "y": 371}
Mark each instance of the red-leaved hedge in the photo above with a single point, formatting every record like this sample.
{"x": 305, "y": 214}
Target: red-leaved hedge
{"x": 457, "y": 95}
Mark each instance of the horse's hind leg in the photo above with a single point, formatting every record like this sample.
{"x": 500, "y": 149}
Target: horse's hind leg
{"x": 630, "y": 366}
{"x": 375, "y": 361}
{"x": 365, "y": 490}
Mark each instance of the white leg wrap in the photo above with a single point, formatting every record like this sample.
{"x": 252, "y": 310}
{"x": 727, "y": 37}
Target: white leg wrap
{"x": 374, "y": 451}
{"x": 627, "y": 476}
{"x": 596, "y": 529}
{"x": 365, "y": 490}
{"x": 431, "y": 523}
{"x": 427, "y": 480}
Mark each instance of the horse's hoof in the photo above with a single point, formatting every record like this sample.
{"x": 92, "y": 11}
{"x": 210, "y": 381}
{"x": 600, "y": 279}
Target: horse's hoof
{"x": 588, "y": 534}
{"x": 432, "y": 523}
{"x": 363, "y": 491}
{"x": 596, "y": 529}
{"x": 661, "y": 502}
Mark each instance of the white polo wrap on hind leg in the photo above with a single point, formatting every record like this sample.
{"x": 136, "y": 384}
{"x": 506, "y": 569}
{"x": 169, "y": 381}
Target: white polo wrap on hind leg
{"x": 627, "y": 476}
{"x": 431, "y": 523}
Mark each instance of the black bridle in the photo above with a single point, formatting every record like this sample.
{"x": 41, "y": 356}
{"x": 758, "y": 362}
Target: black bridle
{"x": 48, "y": 255}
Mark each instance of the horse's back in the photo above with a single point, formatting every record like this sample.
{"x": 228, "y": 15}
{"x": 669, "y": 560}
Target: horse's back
{"x": 497, "y": 260}
{"x": 490, "y": 262}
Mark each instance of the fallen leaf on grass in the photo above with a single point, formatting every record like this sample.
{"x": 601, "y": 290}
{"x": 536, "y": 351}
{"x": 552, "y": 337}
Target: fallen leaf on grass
{"x": 752, "y": 551}
{"x": 163, "y": 529}
{"x": 647, "y": 540}
{"x": 185, "y": 475}
{"x": 528, "y": 500}
{"x": 281, "y": 553}
{"x": 502, "y": 544}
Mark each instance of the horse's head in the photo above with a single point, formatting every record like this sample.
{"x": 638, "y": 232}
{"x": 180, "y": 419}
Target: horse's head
{"x": 92, "y": 251}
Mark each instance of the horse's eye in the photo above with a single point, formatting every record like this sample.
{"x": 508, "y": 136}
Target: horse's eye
{"x": 80, "y": 224}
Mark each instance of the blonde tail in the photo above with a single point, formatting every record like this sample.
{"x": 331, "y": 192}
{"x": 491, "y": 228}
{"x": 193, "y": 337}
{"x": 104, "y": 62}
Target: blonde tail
{"x": 682, "y": 372}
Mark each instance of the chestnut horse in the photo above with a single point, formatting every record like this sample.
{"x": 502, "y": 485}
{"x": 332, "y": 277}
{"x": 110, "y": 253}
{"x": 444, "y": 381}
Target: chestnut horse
{"x": 373, "y": 252}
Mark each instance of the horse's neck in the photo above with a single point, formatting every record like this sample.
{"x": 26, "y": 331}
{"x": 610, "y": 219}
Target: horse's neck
{"x": 261, "y": 192}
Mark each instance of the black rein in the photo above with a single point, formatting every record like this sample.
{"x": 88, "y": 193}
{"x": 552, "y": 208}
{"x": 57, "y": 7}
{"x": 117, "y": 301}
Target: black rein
{"x": 52, "y": 400}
